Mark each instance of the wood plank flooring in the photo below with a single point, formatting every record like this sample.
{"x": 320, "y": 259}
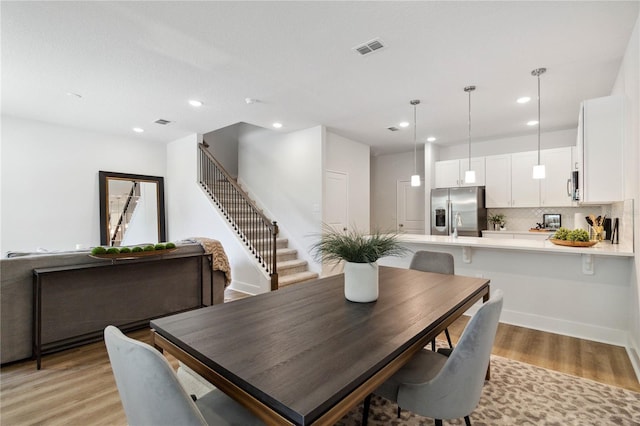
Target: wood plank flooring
{"x": 76, "y": 387}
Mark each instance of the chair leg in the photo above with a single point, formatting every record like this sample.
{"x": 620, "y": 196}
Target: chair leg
{"x": 467, "y": 421}
{"x": 365, "y": 409}
{"x": 438, "y": 422}
{"x": 433, "y": 345}
{"x": 446, "y": 332}
{"x": 399, "y": 411}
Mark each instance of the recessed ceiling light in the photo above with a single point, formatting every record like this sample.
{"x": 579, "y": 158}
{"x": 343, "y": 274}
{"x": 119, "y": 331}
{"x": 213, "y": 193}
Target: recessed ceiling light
{"x": 431, "y": 139}
{"x": 138, "y": 130}
{"x": 277, "y": 125}
{"x": 404, "y": 124}
{"x": 532, "y": 122}
{"x": 523, "y": 100}
{"x": 195, "y": 103}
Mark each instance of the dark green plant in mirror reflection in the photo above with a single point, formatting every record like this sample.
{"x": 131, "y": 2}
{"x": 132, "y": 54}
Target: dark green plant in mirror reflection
{"x": 355, "y": 246}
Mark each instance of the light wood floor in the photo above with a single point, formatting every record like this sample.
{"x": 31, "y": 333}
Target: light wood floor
{"x": 76, "y": 387}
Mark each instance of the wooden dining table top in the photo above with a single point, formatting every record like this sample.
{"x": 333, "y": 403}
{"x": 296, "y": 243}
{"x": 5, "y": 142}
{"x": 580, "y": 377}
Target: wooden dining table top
{"x": 303, "y": 349}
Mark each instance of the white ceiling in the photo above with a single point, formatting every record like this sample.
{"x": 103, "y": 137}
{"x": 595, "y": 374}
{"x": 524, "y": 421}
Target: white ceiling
{"x": 136, "y": 62}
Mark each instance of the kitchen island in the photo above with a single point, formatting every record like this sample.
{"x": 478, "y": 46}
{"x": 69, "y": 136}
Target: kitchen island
{"x": 575, "y": 291}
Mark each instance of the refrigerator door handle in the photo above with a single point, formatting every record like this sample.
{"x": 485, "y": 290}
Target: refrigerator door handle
{"x": 449, "y": 229}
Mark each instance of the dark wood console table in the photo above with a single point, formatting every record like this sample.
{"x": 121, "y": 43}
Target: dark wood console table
{"x": 73, "y": 304}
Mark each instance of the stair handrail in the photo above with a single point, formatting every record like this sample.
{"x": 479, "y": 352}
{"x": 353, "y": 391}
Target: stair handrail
{"x": 123, "y": 214}
{"x": 271, "y": 226}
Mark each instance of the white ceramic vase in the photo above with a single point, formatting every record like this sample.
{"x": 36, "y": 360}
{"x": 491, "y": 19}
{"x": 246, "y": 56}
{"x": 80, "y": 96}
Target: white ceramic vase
{"x": 361, "y": 282}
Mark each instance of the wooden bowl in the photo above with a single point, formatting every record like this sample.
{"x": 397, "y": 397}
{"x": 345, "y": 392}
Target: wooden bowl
{"x": 573, "y": 243}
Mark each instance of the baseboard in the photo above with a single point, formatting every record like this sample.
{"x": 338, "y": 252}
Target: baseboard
{"x": 635, "y": 361}
{"x": 566, "y": 328}
{"x": 244, "y": 287}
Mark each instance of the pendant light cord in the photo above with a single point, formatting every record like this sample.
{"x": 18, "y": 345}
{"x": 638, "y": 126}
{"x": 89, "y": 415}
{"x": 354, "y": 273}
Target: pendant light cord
{"x": 469, "y": 129}
{"x": 415, "y": 143}
{"x": 537, "y": 72}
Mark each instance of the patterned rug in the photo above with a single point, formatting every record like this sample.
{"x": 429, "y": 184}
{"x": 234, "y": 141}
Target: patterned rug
{"x": 524, "y": 395}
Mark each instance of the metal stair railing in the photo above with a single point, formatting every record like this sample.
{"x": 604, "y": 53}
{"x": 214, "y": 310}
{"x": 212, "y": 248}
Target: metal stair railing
{"x": 125, "y": 216}
{"x": 255, "y": 230}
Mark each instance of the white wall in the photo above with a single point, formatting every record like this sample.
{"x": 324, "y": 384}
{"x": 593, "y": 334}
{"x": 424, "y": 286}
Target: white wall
{"x": 509, "y": 145}
{"x": 49, "y": 181}
{"x": 628, "y": 84}
{"x": 350, "y": 157}
{"x": 192, "y": 214}
{"x": 283, "y": 172}
{"x": 386, "y": 171}
{"x": 223, "y": 145}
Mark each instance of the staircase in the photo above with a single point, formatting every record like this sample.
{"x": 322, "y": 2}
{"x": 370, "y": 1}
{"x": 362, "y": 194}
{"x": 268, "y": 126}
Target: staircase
{"x": 256, "y": 231}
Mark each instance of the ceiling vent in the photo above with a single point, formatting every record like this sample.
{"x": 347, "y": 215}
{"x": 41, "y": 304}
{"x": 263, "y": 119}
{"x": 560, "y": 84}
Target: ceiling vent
{"x": 369, "y": 47}
{"x": 393, "y": 128}
{"x": 162, "y": 121}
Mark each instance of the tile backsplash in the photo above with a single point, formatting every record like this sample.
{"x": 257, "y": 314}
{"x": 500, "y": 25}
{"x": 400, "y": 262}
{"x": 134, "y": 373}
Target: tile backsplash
{"x": 522, "y": 219}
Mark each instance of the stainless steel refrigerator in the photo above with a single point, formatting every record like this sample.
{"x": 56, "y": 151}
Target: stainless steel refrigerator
{"x": 463, "y": 208}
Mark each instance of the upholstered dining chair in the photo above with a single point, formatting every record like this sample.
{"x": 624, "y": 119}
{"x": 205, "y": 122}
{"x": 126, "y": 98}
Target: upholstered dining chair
{"x": 433, "y": 261}
{"x": 152, "y": 395}
{"x": 441, "y": 387}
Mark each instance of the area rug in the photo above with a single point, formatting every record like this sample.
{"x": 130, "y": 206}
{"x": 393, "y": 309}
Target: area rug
{"x": 520, "y": 394}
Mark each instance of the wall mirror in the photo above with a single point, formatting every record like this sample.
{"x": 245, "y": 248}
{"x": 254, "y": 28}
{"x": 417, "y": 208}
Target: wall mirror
{"x": 131, "y": 209}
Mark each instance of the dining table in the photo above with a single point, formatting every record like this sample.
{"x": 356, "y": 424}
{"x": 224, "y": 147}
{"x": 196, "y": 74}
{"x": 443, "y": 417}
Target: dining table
{"x": 303, "y": 354}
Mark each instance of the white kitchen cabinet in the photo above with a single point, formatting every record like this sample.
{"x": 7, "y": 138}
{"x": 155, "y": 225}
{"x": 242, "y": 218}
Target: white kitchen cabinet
{"x": 525, "y": 191}
{"x": 554, "y": 188}
{"x": 450, "y": 173}
{"x": 498, "y": 181}
{"x": 600, "y": 150}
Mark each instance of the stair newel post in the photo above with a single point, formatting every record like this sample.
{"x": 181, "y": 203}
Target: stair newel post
{"x": 274, "y": 270}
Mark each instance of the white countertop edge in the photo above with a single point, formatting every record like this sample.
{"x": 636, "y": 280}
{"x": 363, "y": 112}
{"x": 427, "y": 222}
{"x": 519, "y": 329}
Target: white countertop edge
{"x": 521, "y": 232}
{"x": 601, "y": 249}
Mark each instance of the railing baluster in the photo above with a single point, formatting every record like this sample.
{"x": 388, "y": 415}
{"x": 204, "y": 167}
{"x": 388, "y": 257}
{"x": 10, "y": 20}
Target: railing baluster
{"x": 256, "y": 230}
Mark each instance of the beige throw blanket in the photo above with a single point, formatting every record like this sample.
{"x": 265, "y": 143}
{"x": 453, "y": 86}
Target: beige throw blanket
{"x": 220, "y": 260}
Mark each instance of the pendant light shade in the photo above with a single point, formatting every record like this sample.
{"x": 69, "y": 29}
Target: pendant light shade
{"x": 538, "y": 170}
{"x": 415, "y": 178}
{"x": 469, "y": 175}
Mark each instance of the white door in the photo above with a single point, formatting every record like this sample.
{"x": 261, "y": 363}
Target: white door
{"x": 410, "y": 208}
{"x": 336, "y": 212}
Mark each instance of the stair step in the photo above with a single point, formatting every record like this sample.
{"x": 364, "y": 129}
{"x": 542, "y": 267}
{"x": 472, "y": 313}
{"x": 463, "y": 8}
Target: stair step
{"x": 284, "y": 254}
{"x": 299, "y": 277}
{"x": 281, "y": 243}
{"x": 291, "y": 267}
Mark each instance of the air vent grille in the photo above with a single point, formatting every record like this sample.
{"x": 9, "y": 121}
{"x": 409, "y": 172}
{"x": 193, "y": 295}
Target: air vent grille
{"x": 162, "y": 121}
{"x": 369, "y": 47}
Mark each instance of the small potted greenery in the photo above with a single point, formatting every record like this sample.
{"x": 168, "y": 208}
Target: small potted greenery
{"x": 497, "y": 220}
{"x": 360, "y": 252}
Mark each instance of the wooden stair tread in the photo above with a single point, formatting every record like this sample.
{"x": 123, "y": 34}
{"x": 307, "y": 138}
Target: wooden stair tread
{"x": 296, "y": 278}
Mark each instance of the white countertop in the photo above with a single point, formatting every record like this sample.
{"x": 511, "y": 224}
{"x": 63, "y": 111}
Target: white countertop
{"x": 604, "y": 248}
{"x": 520, "y": 232}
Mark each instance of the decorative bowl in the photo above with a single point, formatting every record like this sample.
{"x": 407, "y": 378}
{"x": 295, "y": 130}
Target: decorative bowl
{"x": 573, "y": 243}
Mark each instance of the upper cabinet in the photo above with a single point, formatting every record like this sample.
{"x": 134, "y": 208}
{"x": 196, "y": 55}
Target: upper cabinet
{"x": 525, "y": 190}
{"x": 600, "y": 150}
{"x": 509, "y": 181}
{"x": 450, "y": 173}
{"x": 555, "y": 190}
{"x": 498, "y": 181}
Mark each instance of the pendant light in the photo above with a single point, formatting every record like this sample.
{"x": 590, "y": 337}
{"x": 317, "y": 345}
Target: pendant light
{"x": 469, "y": 175}
{"x": 415, "y": 178}
{"x": 538, "y": 170}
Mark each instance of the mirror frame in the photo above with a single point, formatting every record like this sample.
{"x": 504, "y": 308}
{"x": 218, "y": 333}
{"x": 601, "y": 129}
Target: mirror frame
{"x": 103, "y": 180}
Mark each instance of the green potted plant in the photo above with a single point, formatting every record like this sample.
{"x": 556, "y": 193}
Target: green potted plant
{"x": 360, "y": 253}
{"x": 497, "y": 220}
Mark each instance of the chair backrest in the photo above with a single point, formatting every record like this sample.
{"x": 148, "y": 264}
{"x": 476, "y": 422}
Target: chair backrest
{"x": 148, "y": 387}
{"x": 455, "y": 391}
{"x": 432, "y": 261}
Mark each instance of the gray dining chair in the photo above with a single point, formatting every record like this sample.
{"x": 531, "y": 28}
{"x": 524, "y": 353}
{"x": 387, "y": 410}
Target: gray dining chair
{"x": 434, "y": 385}
{"x": 433, "y": 261}
{"x": 151, "y": 394}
